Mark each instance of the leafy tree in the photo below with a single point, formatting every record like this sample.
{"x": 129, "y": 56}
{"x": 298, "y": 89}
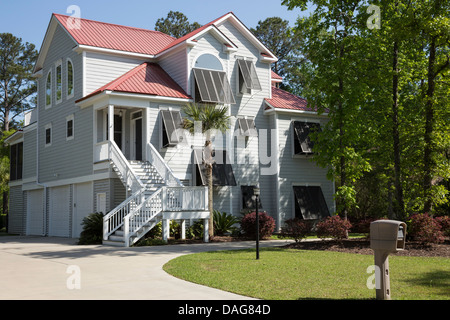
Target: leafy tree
{"x": 176, "y": 24}
{"x": 276, "y": 35}
{"x": 207, "y": 119}
{"x": 16, "y": 82}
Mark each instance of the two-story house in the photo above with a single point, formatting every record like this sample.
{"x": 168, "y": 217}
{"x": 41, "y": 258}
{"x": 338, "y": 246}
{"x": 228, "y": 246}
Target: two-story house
{"x": 106, "y": 134}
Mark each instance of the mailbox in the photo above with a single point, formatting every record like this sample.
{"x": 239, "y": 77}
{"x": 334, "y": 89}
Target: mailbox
{"x": 386, "y": 236}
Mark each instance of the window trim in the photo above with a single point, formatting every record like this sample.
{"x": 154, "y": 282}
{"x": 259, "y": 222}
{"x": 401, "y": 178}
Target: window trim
{"x": 48, "y": 127}
{"x": 49, "y": 74}
{"x": 68, "y": 119}
{"x": 71, "y": 95}
{"x": 58, "y": 64}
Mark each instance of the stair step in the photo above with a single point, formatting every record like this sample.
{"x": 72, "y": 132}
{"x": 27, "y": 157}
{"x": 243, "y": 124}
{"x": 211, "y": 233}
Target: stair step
{"x": 114, "y": 243}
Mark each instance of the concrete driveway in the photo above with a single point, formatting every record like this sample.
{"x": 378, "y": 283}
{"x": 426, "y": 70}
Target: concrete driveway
{"x": 56, "y": 268}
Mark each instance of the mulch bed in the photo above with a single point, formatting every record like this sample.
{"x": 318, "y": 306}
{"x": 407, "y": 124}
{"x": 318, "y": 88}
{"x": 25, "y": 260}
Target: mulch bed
{"x": 362, "y": 246}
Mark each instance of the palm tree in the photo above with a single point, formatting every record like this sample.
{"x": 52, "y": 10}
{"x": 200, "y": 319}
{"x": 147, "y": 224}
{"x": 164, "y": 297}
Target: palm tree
{"x": 209, "y": 118}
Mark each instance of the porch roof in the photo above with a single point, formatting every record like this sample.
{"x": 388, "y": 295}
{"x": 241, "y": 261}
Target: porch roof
{"x": 148, "y": 79}
{"x": 287, "y": 101}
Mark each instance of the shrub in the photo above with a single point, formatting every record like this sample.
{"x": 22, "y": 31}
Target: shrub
{"x": 266, "y": 225}
{"x": 296, "y": 228}
{"x": 224, "y": 223}
{"x": 333, "y": 227}
{"x": 444, "y": 222}
{"x": 424, "y": 228}
{"x": 92, "y": 229}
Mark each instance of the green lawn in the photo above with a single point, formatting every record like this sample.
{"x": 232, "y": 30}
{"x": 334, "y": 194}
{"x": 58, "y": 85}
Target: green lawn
{"x": 288, "y": 274}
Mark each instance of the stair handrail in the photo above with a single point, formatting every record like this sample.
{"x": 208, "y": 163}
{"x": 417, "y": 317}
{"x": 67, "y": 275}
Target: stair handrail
{"x": 114, "y": 220}
{"x": 124, "y": 167}
{"x": 146, "y": 210}
{"x": 161, "y": 166}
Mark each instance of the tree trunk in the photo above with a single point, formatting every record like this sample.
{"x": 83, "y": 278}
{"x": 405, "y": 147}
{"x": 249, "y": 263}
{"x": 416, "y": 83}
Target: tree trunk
{"x": 399, "y": 205}
{"x": 429, "y": 121}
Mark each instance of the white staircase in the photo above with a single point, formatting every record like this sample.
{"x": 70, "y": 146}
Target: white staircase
{"x": 152, "y": 181}
{"x": 156, "y": 194}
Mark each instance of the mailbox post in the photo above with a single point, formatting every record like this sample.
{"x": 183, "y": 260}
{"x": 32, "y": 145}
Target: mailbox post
{"x": 386, "y": 237}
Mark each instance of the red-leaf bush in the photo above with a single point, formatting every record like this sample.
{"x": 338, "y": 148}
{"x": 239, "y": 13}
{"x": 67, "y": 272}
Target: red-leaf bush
{"x": 444, "y": 222}
{"x": 266, "y": 225}
{"x": 296, "y": 228}
{"x": 424, "y": 228}
{"x": 333, "y": 227}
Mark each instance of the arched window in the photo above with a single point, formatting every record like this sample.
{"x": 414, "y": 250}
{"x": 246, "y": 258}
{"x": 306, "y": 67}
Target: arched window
{"x": 211, "y": 82}
{"x": 208, "y": 61}
{"x": 48, "y": 90}
{"x": 70, "y": 79}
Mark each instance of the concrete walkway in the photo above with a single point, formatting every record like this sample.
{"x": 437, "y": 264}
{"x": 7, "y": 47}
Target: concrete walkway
{"x": 56, "y": 268}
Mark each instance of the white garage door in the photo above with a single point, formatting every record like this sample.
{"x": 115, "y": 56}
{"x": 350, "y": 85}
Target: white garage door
{"x": 59, "y": 216}
{"x": 35, "y": 212}
{"x": 82, "y": 207}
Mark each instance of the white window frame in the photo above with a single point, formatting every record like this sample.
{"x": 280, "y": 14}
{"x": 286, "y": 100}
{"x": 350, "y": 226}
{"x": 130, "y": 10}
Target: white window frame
{"x": 69, "y": 96}
{"x": 58, "y": 64}
{"x": 48, "y": 105}
{"x": 68, "y": 119}
{"x": 47, "y": 127}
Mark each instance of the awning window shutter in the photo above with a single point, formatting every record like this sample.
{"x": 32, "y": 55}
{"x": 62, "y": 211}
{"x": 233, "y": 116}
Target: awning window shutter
{"x": 249, "y": 74}
{"x": 213, "y": 86}
{"x": 302, "y": 131}
{"x": 172, "y": 121}
{"x": 222, "y": 170}
{"x": 247, "y": 127}
{"x": 311, "y": 202}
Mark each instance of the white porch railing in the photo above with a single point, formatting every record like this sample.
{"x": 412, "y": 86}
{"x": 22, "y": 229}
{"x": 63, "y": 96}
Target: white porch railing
{"x": 161, "y": 166}
{"x": 185, "y": 199}
{"x": 114, "y": 220}
{"x": 124, "y": 170}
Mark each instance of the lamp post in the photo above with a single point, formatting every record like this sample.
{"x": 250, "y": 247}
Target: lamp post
{"x": 256, "y": 192}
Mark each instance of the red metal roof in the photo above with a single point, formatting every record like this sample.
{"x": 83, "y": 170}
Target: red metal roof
{"x": 147, "y": 78}
{"x": 284, "y": 100}
{"x": 116, "y": 37}
{"x": 193, "y": 33}
{"x": 276, "y": 76}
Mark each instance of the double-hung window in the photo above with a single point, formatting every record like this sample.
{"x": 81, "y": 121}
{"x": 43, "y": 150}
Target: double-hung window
{"x": 48, "y": 135}
{"x": 70, "y": 127}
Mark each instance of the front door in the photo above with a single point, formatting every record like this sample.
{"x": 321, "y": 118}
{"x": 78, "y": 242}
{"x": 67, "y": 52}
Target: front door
{"x": 136, "y": 124}
{"x": 138, "y": 139}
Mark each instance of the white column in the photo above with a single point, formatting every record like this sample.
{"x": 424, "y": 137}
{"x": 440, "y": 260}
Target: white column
{"x": 183, "y": 229}
{"x": 165, "y": 229}
{"x": 206, "y": 230}
{"x": 111, "y": 122}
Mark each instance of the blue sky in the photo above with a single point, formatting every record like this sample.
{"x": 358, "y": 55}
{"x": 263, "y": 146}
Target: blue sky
{"x": 28, "y": 19}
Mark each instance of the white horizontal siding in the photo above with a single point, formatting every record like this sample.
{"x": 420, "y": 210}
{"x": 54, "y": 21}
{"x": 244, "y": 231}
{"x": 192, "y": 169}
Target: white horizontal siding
{"x": 103, "y": 68}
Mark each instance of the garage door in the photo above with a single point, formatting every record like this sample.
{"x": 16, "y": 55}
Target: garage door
{"x": 59, "y": 213}
{"x": 82, "y": 207}
{"x": 35, "y": 212}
